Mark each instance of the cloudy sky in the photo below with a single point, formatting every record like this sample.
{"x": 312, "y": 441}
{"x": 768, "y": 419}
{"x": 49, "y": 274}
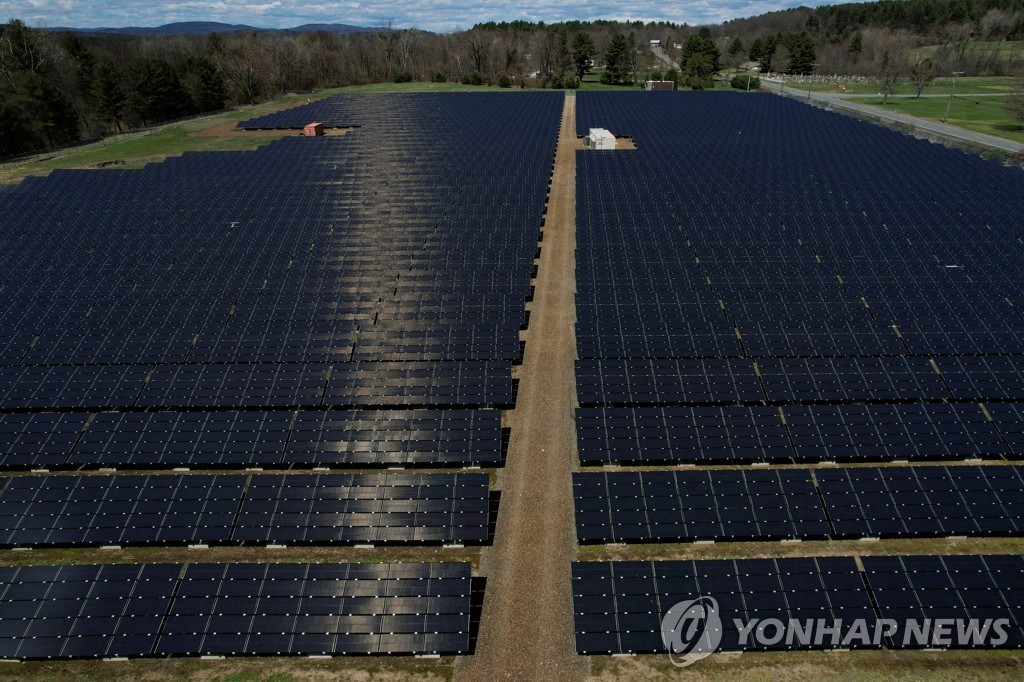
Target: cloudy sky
{"x": 432, "y": 15}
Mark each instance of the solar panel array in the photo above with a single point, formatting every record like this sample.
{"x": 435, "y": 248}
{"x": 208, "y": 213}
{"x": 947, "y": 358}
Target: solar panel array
{"x": 808, "y": 504}
{"x": 836, "y": 284}
{"x": 387, "y": 269}
{"x": 320, "y": 303}
{"x": 766, "y": 283}
{"x": 99, "y": 611}
{"x": 619, "y": 605}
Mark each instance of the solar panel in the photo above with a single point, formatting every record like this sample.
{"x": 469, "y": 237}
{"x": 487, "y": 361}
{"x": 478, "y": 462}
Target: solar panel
{"x": 683, "y": 435}
{"x": 684, "y": 506}
{"x": 38, "y": 440}
{"x": 929, "y": 588}
{"x": 852, "y": 433}
{"x": 365, "y": 509}
{"x": 666, "y": 382}
{"x": 130, "y": 610}
{"x": 619, "y": 605}
{"x": 319, "y": 609}
{"x": 83, "y": 611}
{"x": 48, "y": 511}
{"x": 923, "y": 501}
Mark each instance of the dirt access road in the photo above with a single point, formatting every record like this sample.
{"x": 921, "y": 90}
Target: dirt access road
{"x": 526, "y": 629}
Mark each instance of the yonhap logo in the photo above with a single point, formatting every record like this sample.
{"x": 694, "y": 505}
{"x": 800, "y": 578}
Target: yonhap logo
{"x": 691, "y": 630}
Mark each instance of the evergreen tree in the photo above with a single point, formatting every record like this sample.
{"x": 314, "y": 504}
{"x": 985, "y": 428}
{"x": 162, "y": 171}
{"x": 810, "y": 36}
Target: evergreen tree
{"x": 202, "y": 83}
{"x": 763, "y": 50}
{"x": 108, "y": 94}
{"x": 583, "y": 50}
{"x": 616, "y": 61}
{"x": 802, "y": 53}
{"x": 154, "y": 93}
{"x": 699, "y": 72}
{"x": 702, "y": 43}
{"x": 856, "y": 45}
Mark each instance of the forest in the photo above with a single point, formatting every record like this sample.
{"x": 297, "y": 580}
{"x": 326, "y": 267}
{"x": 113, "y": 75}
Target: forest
{"x": 61, "y": 87}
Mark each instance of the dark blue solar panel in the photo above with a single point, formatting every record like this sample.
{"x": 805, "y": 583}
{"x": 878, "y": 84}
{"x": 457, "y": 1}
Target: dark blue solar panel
{"x": 923, "y": 501}
{"x": 619, "y": 605}
{"x": 851, "y": 433}
{"x": 365, "y": 509}
{"x": 319, "y": 609}
{"x": 48, "y": 511}
{"x": 683, "y": 435}
{"x": 40, "y": 439}
{"x": 925, "y": 589}
{"x": 130, "y": 610}
{"x": 84, "y": 611}
{"x": 680, "y": 506}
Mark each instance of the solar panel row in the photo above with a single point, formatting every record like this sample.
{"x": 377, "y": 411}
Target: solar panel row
{"x": 730, "y": 505}
{"x": 95, "y": 611}
{"x": 845, "y": 378}
{"x": 619, "y": 606}
{"x": 344, "y": 384}
{"x": 202, "y": 439}
{"x": 45, "y": 511}
{"x": 799, "y": 433}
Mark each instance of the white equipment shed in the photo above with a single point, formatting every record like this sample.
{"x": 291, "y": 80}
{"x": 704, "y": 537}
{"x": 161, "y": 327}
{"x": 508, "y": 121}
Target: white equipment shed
{"x": 601, "y": 139}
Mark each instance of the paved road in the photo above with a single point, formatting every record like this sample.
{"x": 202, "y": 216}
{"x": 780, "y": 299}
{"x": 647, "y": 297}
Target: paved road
{"x": 660, "y": 54}
{"x": 925, "y": 125}
{"x": 965, "y": 95}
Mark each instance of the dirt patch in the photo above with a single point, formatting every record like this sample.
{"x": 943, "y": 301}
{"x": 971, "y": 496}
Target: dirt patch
{"x": 230, "y": 129}
{"x": 621, "y": 143}
{"x": 808, "y": 548}
{"x": 813, "y": 666}
{"x": 357, "y": 669}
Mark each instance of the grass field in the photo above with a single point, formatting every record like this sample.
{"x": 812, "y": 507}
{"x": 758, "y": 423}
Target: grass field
{"x": 982, "y": 114}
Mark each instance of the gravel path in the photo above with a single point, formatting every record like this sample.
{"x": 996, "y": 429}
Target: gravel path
{"x": 526, "y": 630}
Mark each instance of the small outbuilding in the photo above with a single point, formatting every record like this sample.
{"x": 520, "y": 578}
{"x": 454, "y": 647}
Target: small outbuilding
{"x": 659, "y": 85}
{"x": 599, "y": 138}
{"x": 313, "y": 130}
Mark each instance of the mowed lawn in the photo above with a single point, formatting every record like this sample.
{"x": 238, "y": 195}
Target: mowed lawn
{"x": 981, "y": 114}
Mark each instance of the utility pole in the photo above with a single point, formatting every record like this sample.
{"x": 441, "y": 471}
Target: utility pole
{"x": 809, "y": 80}
{"x": 955, "y": 74}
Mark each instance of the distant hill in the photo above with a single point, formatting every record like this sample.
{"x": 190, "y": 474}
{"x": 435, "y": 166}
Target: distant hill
{"x": 192, "y": 28}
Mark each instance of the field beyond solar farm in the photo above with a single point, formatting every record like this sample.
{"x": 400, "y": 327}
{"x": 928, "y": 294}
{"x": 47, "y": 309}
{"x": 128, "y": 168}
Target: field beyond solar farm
{"x": 420, "y": 400}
